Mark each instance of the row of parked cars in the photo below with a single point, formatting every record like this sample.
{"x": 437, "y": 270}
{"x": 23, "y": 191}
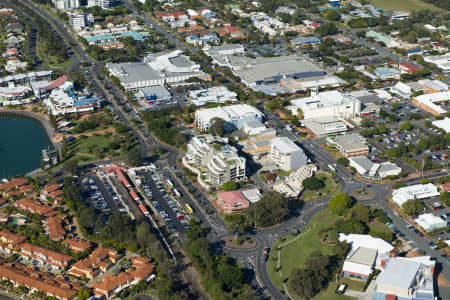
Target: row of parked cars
{"x": 117, "y": 201}
{"x": 96, "y": 197}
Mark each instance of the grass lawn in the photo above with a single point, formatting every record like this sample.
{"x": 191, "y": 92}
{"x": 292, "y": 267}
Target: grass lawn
{"x": 408, "y": 5}
{"x": 329, "y": 188}
{"x": 329, "y": 293}
{"x": 295, "y": 255}
{"x": 65, "y": 64}
{"x": 90, "y": 147}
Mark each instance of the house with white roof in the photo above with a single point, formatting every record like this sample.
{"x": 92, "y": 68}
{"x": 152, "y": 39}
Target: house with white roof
{"x": 417, "y": 191}
{"x": 430, "y": 222}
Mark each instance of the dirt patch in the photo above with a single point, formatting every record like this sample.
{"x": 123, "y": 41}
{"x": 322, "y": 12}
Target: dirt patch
{"x": 247, "y": 244}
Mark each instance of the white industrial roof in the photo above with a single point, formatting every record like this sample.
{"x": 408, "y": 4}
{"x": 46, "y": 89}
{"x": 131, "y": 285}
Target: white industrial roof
{"x": 285, "y": 145}
{"x": 419, "y": 191}
{"x": 399, "y": 273}
{"x": 443, "y": 124}
{"x": 430, "y": 222}
{"x": 356, "y": 268}
{"x": 366, "y": 241}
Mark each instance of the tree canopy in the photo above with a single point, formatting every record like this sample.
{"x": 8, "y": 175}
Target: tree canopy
{"x": 412, "y": 207}
{"x": 271, "y": 209}
{"x": 217, "y": 127}
{"x": 313, "y": 183}
{"x": 340, "y": 203}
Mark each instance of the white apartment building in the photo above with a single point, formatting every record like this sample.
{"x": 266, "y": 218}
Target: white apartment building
{"x": 286, "y": 154}
{"x": 417, "y": 191}
{"x": 104, "y": 4}
{"x": 80, "y": 20}
{"x": 66, "y": 4}
{"x": 235, "y": 116}
{"x": 327, "y": 104}
{"x": 217, "y": 160}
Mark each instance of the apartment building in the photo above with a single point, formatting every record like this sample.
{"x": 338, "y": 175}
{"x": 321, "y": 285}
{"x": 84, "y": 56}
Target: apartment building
{"x": 66, "y": 4}
{"x": 103, "y": 4}
{"x": 220, "y": 162}
{"x": 80, "y": 20}
{"x": 34, "y": 254}
{"x": 286, "y": 154}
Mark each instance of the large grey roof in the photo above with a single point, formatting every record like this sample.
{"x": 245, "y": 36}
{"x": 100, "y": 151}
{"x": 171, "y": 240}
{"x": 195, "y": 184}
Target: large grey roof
{"x": 136, "y": 72}
{"x": 399, "y": 273}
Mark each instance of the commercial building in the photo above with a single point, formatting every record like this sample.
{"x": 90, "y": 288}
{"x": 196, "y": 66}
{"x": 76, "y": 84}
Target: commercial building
{"x": 417, "y": 191}
{"x": 431, "y": 102}
{"x": 402, "y": 89}
{"x": 367, "y": 168}
{"x": 381, "y": 38}
{"x": 406, "y": 278}
{"x": 272, "y": 70}
{"x": 286, "y": 154}
{"x": 444, "y": 124}
{"x": 349, "y": 145}
{"x": 306, "y": 41}
{"x": 156, "y": 69}
{"x": 434, "y": 86}
{"x": 234, "y": 116}
{"x": 430, "y": 222}
{"x": 330, "y": 104}
{"x": 216, "y": 94}
{"x": 325, "y": 126}
{"x": 229, "y": 202}
{"x": 441, "y": 61}
{"x": 150, "y": 96}
{"x": 218, "y": 161}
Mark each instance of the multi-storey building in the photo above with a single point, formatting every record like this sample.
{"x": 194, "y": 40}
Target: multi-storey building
{"x": 66, "y": 4}
{"x": 220, "y": 161}
{"x": 104, "y": 4}
{"x": 286, "y": 154}
{"x": 234, "y": 116}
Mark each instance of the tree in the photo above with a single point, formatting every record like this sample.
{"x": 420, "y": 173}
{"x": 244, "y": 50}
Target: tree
{"x": 302, "y": 283}
{"x": 412, "y": 207}
{"x": 343, "y": 161}
{"x": 312, "y": 183}
{"x": 230, "y": 186}
{"x": 332, "y": 15}
{"x": 339, "y": 204}
{"x": 217, "y": 127}
{"x": 445, "y": 198}
{"x": 71, "y": 166}
{"x": 134, "y": 157}
{"x": 64, "y": 147}
{"x": 406, "y": 126}
{"x": 300, "y": 115}
{"x": 83, "y": 293}
{"x": 326, "y": 29}
{"x": 366, "y": 123}
{"x": 52, "y": 120}
{"x": 360, "y": 212}
{"x": 271, "y": 209}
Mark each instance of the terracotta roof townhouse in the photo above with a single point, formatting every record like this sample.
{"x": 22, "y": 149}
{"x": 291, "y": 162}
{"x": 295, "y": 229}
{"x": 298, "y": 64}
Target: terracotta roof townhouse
{"x": 77, "y": 244}
{"x": 13, "y": 183}
{"x": 99, "y": 260}
{"x": 142, "y": 269}
{"x": 54, "y": 229}
{"x": 45, "y": 257}
{"x": 33, "y": 279}
{"x": 33, "y": 206}
{"x": 9, "y": 241}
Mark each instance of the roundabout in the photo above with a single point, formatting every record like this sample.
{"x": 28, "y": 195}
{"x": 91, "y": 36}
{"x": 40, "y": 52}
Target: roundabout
{"x": 363, "y": 194}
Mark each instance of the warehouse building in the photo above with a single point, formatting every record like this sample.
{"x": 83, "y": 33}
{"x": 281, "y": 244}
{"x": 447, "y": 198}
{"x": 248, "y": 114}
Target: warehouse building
{"x": 432, "y": 102}
{"x": 216, "y": 94}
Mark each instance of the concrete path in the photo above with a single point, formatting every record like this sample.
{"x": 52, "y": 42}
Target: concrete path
{"x": 367, "y": 295}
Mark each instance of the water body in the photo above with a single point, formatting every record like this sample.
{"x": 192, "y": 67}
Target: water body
{"x": 21, "y": 144}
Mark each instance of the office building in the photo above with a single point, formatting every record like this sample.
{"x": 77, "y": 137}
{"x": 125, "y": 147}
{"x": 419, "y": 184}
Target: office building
{"x": 417, "y": 191}
{"x": 330, "y": 104}
{"x": 286, "y": 154}
{"x": 234, "y": 116}
{"x": 349, "y": 145}
{"x": 156, "y": 69}
{"x": 80, "y": 20}
{"x": 368, "y": 169}
{"x": 406, "y": 279}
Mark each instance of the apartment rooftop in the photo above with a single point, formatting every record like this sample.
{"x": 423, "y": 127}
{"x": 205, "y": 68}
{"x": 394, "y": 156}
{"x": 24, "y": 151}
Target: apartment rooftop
{"x": 285, "y": 145}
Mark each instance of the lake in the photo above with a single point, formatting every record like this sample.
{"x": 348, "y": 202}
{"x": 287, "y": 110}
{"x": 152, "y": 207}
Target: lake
{"x": 21, "y": 144}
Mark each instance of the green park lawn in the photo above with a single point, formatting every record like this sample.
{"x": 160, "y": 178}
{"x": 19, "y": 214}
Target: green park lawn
{"x": 329, "y": 293}
{"x": 295, "y": 255}
{"x": 89, "y": 148}
{"x": 330, "y": 188}
{"x": 408, "y": 5}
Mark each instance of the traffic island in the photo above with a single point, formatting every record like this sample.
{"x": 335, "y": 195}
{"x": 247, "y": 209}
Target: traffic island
{"x": 363, "y": 194}
{"x": 241, "y": 243}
